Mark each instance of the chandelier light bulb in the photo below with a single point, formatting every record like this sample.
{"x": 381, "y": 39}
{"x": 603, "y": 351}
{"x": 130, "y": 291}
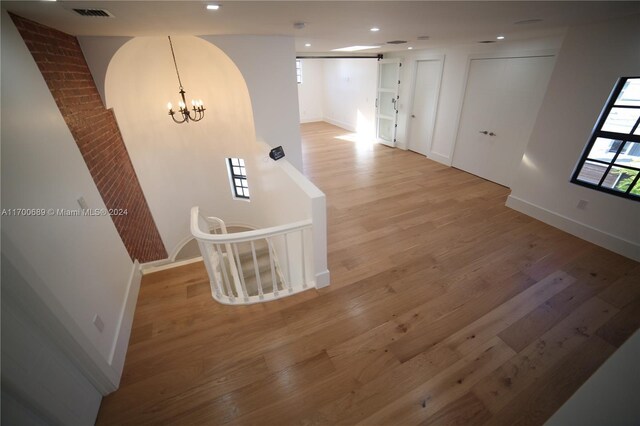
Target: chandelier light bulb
{"x": 169, "y": 106}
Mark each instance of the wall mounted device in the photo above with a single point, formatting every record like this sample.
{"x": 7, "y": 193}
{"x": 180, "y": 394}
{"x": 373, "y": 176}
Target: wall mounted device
{"x": 276, "y": 153}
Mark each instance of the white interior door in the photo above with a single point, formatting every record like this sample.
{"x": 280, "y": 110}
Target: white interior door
{"x": 387, "y": 101}
{"x": 425, "y": 102}
{"x": 500, "y": 107}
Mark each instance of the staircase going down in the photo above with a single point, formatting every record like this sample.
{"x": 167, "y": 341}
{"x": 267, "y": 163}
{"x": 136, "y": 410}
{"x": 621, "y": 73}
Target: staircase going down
{"x": 253, "y": 266}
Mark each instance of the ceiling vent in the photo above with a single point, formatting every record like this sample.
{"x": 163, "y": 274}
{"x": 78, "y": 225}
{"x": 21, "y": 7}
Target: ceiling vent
{"x": 423, "y": 37}
{"x": 96, "y": 13}
{"x": 397, "y": 42}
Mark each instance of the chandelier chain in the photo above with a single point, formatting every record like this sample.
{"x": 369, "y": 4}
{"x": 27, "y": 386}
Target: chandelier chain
{"x": 175, "y": 63}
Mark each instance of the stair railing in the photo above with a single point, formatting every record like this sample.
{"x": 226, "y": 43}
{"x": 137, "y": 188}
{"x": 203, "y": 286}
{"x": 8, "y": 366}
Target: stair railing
{"x": 289, "y": 251}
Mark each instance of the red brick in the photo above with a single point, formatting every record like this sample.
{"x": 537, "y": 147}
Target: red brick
{"x": 96, "y": 132}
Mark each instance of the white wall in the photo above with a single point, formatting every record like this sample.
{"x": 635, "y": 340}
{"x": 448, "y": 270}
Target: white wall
{"x": 454, "y": 77}
{"x": 40, "y": 383}
{"x": 592, "y": 58}
{"x": 311, "y": 90}
{"x": 76, "y": 266}
{"x": 268, "y": 66}
{"x": 183, "y": 165}
{"x": 350, "y": 94}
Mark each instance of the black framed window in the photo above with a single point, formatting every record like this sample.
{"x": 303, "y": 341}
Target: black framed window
{"x": 238, "y": 178}
{"x": 611, "y": 160}
{"x": 299, "y": 71}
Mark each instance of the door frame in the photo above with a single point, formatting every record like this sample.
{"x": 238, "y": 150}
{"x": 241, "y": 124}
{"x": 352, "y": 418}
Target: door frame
{"x": 412, "y": 93}
{"x": 397, "y": 97}
{"x": 505, "y": 55}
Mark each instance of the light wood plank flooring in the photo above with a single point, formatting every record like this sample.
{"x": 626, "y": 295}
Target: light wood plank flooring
{"x": 445, "y": 307}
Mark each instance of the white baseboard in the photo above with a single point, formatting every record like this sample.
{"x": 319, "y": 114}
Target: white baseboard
{"x": 440, "y": 158}
{"x": 153, "y": 264}
{"x": 310, "y": 120}
{"x": 322, "y": 279}
{"x": 611, "y": 242}
{"x": 165, "y": 266}
{"x": 121, "y": 341}
{"x": 347, "y": 126}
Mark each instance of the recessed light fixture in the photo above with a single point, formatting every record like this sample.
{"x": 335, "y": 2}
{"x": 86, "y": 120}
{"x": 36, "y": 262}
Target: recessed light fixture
{"x": 375, "y": 29}
{"x": 410, "y": 48}
{"x": 500, "y": 37}
{"x": 213, "y": 6}
{"x": 354, "y": 48}
{"x": 307, "y": 45}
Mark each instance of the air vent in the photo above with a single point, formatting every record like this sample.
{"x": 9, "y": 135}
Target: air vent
{"x": 397, "y": 42}
{"x": 423, "y": 37}
{"x": 487, "y": 41}
{"x": 96, "y": 13}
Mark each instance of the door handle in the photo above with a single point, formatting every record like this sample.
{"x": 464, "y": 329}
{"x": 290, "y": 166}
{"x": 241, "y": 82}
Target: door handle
{"x": 484, "y": 132}
{"x": 491, "y": 134}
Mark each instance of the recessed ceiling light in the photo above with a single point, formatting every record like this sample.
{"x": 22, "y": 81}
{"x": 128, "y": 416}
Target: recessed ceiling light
{"x": 213, "y": 6}
{"x": 354, "y": 48}
{"x": 307, "y": 45}
{"x": 500, "y": 37}
{"x": 374, "y": 29}
{"x": 410, "y": 48}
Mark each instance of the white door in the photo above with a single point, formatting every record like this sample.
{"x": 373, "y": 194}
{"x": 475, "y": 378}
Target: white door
{"x": 387, "y": 101}
{"x": 500, "y": 107}
{"x": 425, "y": 102}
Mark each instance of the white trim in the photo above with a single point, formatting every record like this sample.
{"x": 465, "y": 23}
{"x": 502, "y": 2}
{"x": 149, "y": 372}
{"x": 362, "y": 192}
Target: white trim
{"x": 171, "y": 265}
{"x": 342, "y": 124}
{"x": 586, "y": 232}
{"x": 125, "y": 322}
{"x": 440, "y": 158}
{"x": 311, "y": 120}
{"x": 491, "y": 55}
{"x": 183, "y": 242}
{"x": 412, "y": 94}
{"x": 323, "y": 279}
{"x": 153, "y": 264}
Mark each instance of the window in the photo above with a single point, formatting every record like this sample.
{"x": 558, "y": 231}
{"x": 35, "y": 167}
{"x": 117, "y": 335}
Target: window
{"x": 611, "y": 160}
{"x": 238, "y": 178}
{"x": 299, "y": 71}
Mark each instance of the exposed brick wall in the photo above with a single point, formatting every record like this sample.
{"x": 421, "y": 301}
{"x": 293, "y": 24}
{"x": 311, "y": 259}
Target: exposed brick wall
{"x": 96, "y": 132}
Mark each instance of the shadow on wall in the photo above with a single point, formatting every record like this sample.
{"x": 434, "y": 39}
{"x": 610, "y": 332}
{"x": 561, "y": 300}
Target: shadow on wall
{"x": 182, "y": 165}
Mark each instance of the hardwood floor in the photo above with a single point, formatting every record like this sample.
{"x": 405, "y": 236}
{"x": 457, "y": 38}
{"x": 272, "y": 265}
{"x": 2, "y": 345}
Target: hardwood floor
{"x": 445, "y": 307}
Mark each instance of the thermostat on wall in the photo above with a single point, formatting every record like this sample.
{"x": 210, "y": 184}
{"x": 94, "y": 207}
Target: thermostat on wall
{"x": 276, "y": 153}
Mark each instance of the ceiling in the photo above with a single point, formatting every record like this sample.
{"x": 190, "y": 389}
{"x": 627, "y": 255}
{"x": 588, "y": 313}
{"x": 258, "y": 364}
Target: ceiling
{"x": 329, "y": 24}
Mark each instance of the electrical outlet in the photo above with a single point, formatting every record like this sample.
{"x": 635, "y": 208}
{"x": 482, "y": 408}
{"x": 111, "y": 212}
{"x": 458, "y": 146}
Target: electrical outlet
{"x": 83, "y": 204}
{"x": 97, "y": 321}
{"x": 582, "y": 204}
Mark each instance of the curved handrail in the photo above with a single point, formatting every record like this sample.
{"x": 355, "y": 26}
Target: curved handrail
{"x": 240, "y": 237}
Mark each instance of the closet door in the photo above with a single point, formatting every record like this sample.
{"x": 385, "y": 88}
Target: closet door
{"x": 500, "y": 107}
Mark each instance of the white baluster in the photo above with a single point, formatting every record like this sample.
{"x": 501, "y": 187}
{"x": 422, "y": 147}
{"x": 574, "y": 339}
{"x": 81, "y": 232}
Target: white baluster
{"x": 257, "y": 269}
{"x": 273, "y": 268}
{"x": 225, "y": 276}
